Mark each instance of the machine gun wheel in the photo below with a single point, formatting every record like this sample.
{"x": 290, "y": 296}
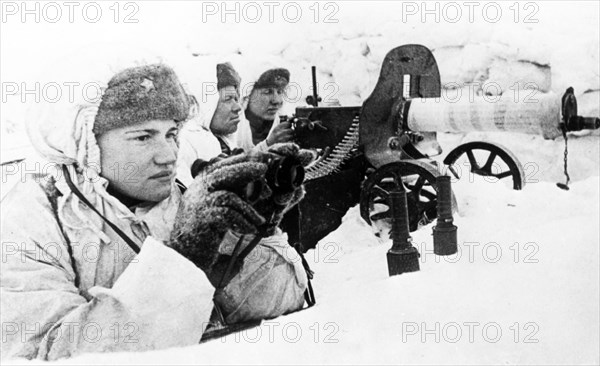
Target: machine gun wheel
{"x": 497, "y": 157}
{"x": 419, "y": 180}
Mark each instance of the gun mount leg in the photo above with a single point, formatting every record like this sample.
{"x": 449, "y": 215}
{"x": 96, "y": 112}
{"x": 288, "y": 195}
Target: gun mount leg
{"x": 419, "y": 181}
{"x": 498, "y": 162}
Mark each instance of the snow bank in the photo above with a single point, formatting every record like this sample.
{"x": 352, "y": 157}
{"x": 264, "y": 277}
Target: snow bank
{"x": 522, "y": 289}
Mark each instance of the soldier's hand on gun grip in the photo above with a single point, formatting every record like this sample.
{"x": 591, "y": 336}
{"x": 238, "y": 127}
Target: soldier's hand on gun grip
{"x": 281, "y": 133}
{"x": 210, "y": 208}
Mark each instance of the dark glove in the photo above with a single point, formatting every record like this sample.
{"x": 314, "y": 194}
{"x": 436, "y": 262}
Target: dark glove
{"x": 210, "y": 208}
{"x": 199, "y": 164}
{"x": 289, "y": 149}
{"x": 277, "y": 204}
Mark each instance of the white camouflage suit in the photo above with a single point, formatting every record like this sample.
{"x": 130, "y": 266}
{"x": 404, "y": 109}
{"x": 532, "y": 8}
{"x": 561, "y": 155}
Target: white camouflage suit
{"x": 70, "y": 285}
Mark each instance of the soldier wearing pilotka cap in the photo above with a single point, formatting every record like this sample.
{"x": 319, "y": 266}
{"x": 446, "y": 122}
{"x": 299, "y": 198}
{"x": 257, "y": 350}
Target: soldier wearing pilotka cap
{"x": 262, "y": 127}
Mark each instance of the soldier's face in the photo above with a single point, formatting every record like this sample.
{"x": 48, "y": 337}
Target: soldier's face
{"x": 139, "y": 160}
{"x": 226, "y": 117}
{"x": 266, "y": 102}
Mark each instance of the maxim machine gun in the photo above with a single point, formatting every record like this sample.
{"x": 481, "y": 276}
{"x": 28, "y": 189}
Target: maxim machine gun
{"x": 367, "y": 152}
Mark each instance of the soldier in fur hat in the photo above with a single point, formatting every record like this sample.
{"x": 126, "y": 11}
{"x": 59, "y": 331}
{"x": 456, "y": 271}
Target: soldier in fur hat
{"x": 104, "y": 237}
{"x": 262, "y": 127}
{"x": 211, "y": 132}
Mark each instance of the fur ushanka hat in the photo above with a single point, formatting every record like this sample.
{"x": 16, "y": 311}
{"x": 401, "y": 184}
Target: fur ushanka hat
{"x": 273, "y": 78}
{"x": 140, "y": 94}
{"x": 227, "y": 76}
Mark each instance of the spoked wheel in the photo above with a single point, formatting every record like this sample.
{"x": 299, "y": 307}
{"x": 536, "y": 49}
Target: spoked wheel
{"x": 419, "y": 181}
{"x": 488, "y": 160}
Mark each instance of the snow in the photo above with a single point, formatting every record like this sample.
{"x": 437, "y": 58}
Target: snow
{"x": 529, "y": 259}
{"x": 527, "y": 265}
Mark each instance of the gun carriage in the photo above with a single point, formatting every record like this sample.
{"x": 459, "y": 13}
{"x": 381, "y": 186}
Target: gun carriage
{"x": 367, "y": 151}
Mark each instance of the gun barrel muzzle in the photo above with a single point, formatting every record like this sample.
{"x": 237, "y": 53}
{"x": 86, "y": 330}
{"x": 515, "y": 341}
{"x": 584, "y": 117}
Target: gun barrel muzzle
{"x": 578, "y": 123}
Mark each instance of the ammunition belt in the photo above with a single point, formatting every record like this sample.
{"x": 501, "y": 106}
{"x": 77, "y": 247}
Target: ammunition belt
{"x": 342, "y": 151}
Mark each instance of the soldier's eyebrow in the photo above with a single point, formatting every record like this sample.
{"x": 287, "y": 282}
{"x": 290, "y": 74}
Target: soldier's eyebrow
{"x": 145, "y": 130}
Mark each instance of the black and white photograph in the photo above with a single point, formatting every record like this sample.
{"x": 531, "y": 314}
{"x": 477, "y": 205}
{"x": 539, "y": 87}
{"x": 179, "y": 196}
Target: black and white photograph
{"x": 300, "y": 182}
